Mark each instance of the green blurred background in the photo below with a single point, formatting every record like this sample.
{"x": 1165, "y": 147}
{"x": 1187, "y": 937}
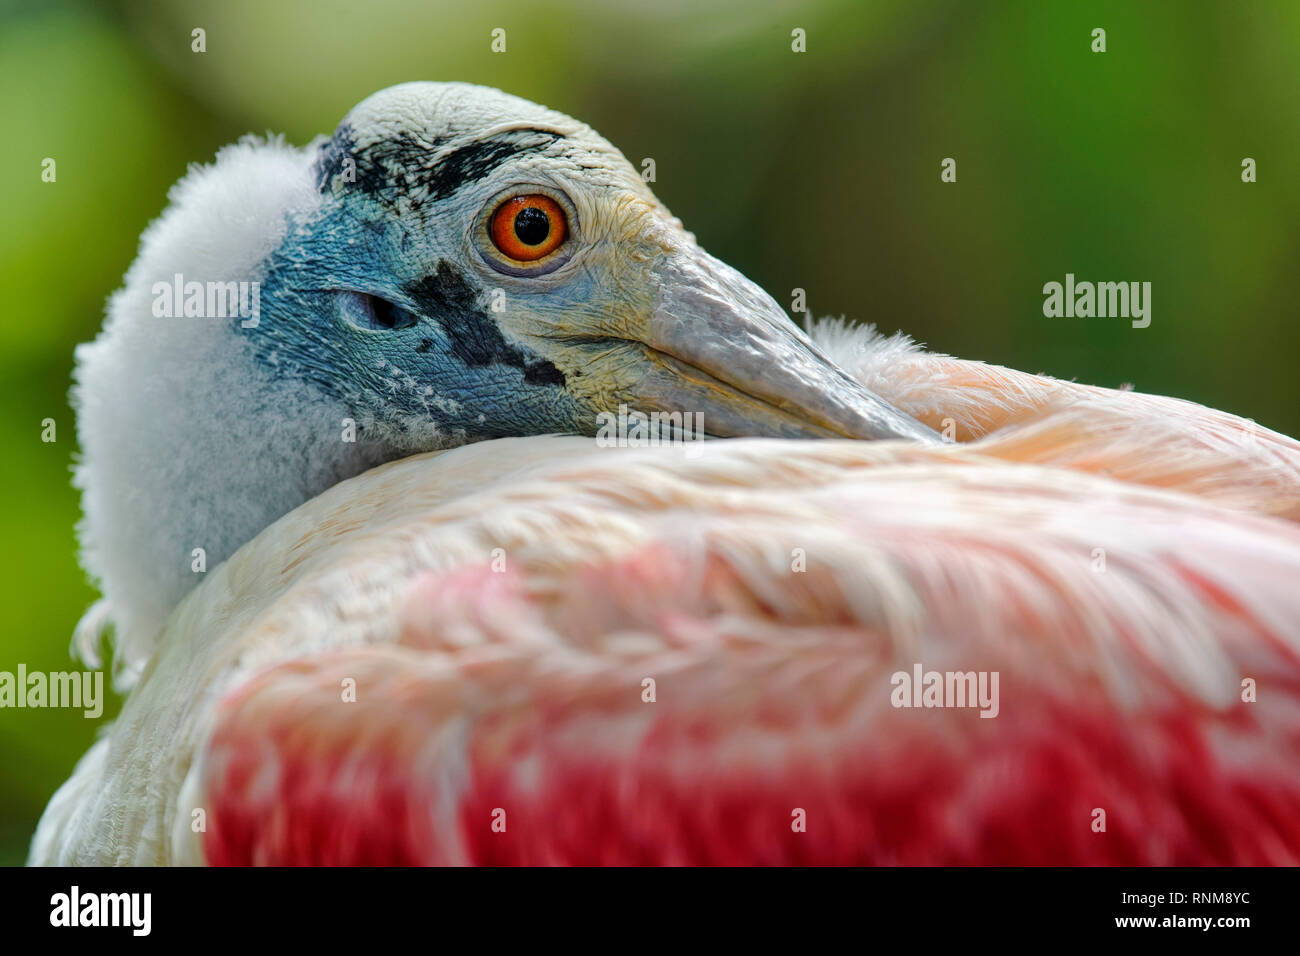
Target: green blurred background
{"x": 817, "y": 170}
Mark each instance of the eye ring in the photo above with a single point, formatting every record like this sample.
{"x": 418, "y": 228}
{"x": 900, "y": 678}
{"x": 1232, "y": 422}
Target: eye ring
{"x": 543, "y": 242}
{"x": 527, "y": 228}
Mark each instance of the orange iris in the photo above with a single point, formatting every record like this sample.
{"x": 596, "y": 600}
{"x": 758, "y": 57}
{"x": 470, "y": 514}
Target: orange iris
{"x": 526, "y": 228}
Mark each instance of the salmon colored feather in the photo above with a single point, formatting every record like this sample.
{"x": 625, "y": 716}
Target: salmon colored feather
{"x": 503, "y": 717}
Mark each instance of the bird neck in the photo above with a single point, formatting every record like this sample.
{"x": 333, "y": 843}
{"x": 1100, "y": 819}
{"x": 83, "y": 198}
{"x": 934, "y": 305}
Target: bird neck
{"x": 190, "y": 446}
{"x": 192, "y": 462}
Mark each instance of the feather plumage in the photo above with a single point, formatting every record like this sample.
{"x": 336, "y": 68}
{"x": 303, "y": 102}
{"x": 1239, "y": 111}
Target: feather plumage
{"x": 442, "y": 659}
{"x": 521, "y": 690}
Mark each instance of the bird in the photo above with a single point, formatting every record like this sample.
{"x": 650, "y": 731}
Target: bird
{"x": 379, "y": 593}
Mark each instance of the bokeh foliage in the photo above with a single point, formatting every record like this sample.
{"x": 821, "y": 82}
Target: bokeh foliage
{"x": 818, "y": 171}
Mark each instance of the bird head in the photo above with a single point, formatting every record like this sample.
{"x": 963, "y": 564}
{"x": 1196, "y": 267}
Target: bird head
{"x": 452, "y": 264}
{"x": 481, "y": 266}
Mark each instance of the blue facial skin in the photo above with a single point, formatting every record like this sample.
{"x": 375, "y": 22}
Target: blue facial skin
{"x": 382, "y": 298}
{"x": 439, "y": 356}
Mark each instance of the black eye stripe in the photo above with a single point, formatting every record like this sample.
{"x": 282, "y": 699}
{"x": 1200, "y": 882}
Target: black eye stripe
{"x": 402, "y": 167}
{"x": 447, "y": 297}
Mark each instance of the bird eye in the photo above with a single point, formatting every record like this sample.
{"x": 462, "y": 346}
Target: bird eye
{"x": 528, "y": 228}
{"x": 373, "y": 314}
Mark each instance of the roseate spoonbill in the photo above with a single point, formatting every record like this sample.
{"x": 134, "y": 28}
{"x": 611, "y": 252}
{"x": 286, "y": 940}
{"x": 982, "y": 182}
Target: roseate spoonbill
{"x": 536, "y": 649}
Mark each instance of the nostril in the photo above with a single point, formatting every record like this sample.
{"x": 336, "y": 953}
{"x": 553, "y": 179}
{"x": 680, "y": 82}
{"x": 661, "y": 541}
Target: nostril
{"x": 373, "y": 313}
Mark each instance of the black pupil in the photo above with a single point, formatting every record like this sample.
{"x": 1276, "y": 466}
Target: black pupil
{"x": 532, "y": 226}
